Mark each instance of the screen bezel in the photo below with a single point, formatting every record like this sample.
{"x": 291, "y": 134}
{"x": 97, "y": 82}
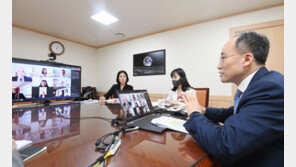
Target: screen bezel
{"x": 50, "y": 64}
{"x": 148, "y": 102}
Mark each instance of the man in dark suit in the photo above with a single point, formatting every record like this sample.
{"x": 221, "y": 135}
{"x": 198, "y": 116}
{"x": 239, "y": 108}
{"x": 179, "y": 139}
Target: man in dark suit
{"x": 21, "y": 76}
{"x": 138, "y": 110}
{"x": 253, "y": 130}
{"x": 16, "y": 95}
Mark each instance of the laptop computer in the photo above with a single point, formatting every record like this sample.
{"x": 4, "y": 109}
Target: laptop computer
{"x": 138, "y": 110}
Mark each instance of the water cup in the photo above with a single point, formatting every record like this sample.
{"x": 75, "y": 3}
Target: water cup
{"x": 161, "y": 103}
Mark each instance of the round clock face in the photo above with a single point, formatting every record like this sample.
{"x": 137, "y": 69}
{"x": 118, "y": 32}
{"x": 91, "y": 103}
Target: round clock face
{"x": 57, "y": 48}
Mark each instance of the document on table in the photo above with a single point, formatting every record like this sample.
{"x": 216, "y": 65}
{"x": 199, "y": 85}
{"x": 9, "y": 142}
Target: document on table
{"x": 154, "y": 103}
{"x": 112, "y": 101}
{"x": 170, "y": 123}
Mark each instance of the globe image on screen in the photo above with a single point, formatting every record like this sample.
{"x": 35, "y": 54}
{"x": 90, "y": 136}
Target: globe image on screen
{"x": 147, "y": 61}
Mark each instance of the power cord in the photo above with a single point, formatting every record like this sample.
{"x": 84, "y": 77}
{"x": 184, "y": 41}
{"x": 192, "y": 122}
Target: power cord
{"x": 118, "y": 122}
{"x": 102, "y": 139}
{"x": 110, "y": 147}
{"x": 82, "y": 118}
{"x": 114, "y": 121}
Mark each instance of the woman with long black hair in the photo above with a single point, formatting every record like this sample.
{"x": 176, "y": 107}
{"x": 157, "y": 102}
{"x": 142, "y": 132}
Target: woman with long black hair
{"x": 43, "y": 83}
{"x": 180, "y": 87}
{"x": 121, "y": 79}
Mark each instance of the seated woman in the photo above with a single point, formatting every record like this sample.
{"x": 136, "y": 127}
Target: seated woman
{"x": 44, "y": 72}
{"x": 43, "y": 83}
{"x": 121, "y": 79}
{"x": 44, "y": 90}
{"x": 180, "y": 87}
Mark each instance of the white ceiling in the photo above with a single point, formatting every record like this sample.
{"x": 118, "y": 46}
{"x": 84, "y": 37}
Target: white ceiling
{"x": 70, "y": 19}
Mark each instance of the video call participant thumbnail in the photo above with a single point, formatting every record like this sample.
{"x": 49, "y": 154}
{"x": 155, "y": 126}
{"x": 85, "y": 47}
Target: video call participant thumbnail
{"x": 42, "y": 91}
{"x": 16, "y": 95}
{"x": 64, "y": 74}
{"x": 20, "y": 76}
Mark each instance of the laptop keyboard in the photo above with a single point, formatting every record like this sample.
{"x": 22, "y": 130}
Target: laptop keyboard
{"x": 145, "y": 120}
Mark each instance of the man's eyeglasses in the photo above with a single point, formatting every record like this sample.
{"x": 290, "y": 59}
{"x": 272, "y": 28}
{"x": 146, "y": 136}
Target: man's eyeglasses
{"x": 223, "y": 57}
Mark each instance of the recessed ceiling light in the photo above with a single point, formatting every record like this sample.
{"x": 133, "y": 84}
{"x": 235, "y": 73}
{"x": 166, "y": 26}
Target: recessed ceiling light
{"x": 121, "y": 35}
{"x": 104, "y": 18}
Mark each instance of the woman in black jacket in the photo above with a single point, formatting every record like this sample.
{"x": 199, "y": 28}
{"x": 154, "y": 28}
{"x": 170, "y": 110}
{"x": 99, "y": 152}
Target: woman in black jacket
{"x": 121, "y": 79}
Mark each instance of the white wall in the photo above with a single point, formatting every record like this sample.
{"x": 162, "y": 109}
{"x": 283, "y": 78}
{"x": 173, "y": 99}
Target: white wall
{"x": 31, "y": 45}
{"x": 196, "y": 49}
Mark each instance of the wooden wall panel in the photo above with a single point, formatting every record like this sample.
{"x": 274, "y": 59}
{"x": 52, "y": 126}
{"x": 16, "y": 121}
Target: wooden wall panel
{"x": 221, "y": 101}
{"x": 215, "y": 101}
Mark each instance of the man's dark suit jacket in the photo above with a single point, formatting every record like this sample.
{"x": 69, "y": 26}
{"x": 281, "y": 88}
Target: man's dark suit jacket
{"x": 20, "y": 96}
{"x": 255, "y": 135}
{"x": 26, "y": 79}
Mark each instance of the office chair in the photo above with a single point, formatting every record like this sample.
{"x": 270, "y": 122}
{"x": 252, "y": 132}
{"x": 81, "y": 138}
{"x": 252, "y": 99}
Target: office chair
{"x": 202, "y": 95}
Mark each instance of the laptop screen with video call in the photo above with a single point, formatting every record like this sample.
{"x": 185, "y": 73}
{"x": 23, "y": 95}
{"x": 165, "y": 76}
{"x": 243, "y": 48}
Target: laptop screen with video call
{"x": 135, "y": 104}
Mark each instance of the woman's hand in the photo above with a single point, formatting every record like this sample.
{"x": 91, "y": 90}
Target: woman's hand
{"x": 102, "y": 98}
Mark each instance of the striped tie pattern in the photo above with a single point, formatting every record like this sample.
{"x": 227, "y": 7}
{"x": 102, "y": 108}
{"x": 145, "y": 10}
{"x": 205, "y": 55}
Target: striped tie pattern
{"x": 236, "y": 100}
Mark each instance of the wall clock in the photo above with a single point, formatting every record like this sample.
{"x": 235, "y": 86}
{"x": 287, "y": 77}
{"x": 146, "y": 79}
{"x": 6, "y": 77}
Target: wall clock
{"x": 56, "y": 48}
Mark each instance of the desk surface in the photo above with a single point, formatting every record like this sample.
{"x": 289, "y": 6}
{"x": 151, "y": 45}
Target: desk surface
{"x": 70, "y": 142}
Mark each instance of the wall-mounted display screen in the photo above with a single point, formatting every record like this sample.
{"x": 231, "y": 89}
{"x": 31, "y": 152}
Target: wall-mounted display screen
{"x": 149, "y": 63}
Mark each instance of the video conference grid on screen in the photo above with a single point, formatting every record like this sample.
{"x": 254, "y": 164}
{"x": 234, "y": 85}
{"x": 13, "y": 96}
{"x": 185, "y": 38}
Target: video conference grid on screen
{"x": 33, "y": 80}
{"x": 134, "y": 105}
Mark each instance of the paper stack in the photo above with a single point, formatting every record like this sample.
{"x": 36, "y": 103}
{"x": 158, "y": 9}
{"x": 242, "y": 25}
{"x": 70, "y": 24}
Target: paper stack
{"x": 170, "y": 123}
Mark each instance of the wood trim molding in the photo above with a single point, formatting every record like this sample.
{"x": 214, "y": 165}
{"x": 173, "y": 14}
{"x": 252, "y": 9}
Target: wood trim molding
{"x": 194, "y": 23}
{"x": 28, "y": 29}
{"x": 221, "y": 98}
{"x": 221, "y": 101}
{"x": 214, "y": 101}
{"x": 257, "y": 26}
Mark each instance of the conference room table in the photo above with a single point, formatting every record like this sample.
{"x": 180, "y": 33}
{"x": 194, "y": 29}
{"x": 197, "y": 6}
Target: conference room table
{"x": 71, "y": 142}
